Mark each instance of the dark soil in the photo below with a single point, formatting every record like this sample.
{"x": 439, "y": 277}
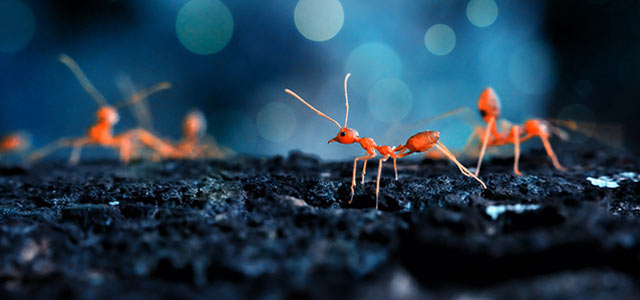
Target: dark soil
{"x": 282, "y": 228}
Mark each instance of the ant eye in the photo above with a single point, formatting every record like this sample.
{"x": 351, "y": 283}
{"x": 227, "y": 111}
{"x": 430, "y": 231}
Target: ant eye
{"x": 483, "y": 113}
{"x": 343, "y": 133}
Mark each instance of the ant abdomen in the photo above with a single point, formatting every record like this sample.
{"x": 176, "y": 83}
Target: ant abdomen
{"x": 422, "y": 141}
{"x": 536, "y": 127}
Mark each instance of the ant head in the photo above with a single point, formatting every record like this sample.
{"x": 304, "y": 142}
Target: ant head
{"x": 346, "y": 136}
{"x": 489, "y": 104}
{"x": 108, "y": 114}
{"x": 195, "y": 124}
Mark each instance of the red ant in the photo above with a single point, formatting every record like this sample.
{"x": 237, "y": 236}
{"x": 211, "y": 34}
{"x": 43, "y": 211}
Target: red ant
{"x": 419, "y": 142}
{"x": 107, "y": 116}
{"x": 489, "y": 106}
{"x": 14, "y": 142}
{"x": 195, "y": 142}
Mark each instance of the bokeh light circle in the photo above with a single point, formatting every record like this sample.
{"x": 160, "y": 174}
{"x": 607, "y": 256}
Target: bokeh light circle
{"x": 482, "y": 13}
{"x": 17, "y": 26}
{"x": 318, "y": 20}
{"x": 390, "y": 100}
{"x": 532, "y": 68}
{"x": 204, "y": 26}
{"x": 276, "y": 122}
{"x": 440, "y": 39}
{"x": 370, "y": 63}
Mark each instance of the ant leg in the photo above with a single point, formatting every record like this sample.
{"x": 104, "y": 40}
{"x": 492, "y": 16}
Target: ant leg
{"x": 161, "y": 148}
{"x": 400, "y": 149}
{"x": 76, "y": 152}
{"x": 383, "y": 159}
{"x": 463, "y": 170}
{"x": 405, "y": 154}
{"x": 485, "y": 141}
{"x": 353, "y": 180}
{"x": 364, "y": 170}
{"x": 515, "y": 130}
{"x": 37, "y": 155}
{"x": 126, "y": 149}
{"x": 395, "y": 167}
{"x": 554, "y": 158}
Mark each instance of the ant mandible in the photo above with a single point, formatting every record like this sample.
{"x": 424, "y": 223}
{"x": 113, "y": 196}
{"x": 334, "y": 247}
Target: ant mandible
{"x": 107, "y": 116}
{"x": 419, "y": 142}
{"x": 489, "y": 106}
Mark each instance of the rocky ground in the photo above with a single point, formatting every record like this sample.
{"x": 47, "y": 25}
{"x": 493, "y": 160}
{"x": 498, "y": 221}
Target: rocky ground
{"x": 282, "y": 227}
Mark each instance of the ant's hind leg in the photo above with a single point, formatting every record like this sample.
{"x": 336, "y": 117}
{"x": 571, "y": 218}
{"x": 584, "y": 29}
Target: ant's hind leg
{"x": 554, "y": 158}
{"x": 462, "y": 169}
{"x": 516, "y": 147}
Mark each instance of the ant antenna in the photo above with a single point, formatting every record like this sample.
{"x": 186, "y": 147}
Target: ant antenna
{"x": 346, "y": 99}
{"x": 84, "y": 81}
{"x": 137, "y": 97}
{"x": 288, "y": 91}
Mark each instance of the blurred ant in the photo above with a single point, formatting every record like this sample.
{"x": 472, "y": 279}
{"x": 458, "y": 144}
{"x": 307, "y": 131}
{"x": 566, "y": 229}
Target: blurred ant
{"x": 195, "y": 142}
{"x": 489, "y": 106}
{"x": 419, "y": 142}
{"x": 107, "y": 116}
{"x": 15, "y": 142}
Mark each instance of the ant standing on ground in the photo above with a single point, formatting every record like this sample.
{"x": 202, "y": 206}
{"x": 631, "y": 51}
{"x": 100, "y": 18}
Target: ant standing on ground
{"x": 195, "y": 142}
{"x": 489, "y": 106}
{"x": 419, "y": 142}
{"x": 107, "y": 116}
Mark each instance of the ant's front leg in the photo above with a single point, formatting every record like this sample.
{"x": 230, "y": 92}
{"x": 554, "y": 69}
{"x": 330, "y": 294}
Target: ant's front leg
{"x": 355, "y": 164}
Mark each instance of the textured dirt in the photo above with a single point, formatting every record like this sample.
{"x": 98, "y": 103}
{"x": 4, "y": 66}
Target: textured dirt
{"x": 283, "y": 228}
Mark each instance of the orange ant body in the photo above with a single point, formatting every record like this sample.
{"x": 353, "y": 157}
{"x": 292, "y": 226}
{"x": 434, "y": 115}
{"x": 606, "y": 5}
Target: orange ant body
{"x": 419, "y": 142}
{"x": 106, "y": 118}
{"x": 489, "y": 106}
{"x": 14, "y": 142}
{"x": 195, "y": 142}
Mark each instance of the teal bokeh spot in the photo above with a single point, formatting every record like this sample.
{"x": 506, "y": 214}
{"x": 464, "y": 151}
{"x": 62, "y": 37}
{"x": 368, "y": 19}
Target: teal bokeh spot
{"x": 440, "y": 39}
{"x": 390, "y": 100}
{"x": 17, "y": 26}
{"x": 204, "y": 26}
{"x": 319, "y": 20}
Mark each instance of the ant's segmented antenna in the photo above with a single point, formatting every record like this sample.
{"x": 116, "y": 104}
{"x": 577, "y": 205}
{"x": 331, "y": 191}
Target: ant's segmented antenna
{"x": 137, "y": 97}
{"x": 346, "y": 99}
{"x": 84, "y": 81}
{"x": 290, "y": 92}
